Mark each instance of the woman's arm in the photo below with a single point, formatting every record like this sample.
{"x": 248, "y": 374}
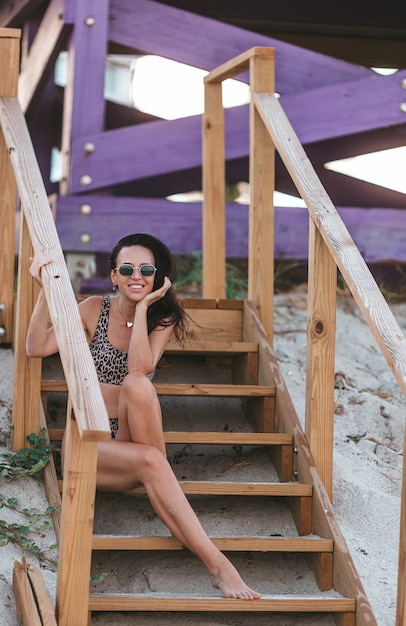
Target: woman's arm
{"x": 40, "y": 340}
{"x": 145, "y": 351}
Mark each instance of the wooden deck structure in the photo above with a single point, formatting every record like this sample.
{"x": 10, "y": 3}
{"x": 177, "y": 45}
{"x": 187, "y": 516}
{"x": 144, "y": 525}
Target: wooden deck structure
{"x": 242, "y": 331}
{"x": 338, "y": 109}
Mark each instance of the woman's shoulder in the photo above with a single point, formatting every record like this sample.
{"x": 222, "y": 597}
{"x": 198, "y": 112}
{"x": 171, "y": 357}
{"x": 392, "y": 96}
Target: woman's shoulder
{"x": 90, "y": 309}
{"x": 92, "y": 302}
{"x": 91, "y": 306}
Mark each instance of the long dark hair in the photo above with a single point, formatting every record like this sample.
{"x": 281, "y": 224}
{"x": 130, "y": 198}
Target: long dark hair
{"x": 167, "y": 310}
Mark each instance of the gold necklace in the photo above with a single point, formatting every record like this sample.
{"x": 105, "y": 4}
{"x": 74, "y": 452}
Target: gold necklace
{"x": 128, "y": 324}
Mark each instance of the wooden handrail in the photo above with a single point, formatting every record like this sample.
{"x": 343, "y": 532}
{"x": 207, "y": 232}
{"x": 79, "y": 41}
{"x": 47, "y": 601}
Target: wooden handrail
{"x": 329, "y": 233}
{"x": 88, "y": 404}
{"x": 345, "y": 253}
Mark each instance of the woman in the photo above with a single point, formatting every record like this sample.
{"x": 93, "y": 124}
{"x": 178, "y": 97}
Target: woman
{"x": 127, "y": 336}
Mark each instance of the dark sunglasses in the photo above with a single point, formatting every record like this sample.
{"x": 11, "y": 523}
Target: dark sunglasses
{"x": 128, "y": 269}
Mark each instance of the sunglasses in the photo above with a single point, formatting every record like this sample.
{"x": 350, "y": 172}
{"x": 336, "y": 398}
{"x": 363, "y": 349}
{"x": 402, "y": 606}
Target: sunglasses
{"x": 128, "y": 269}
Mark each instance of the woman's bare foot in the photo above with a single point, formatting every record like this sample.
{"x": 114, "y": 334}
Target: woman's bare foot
{"x": 231, "y": 584}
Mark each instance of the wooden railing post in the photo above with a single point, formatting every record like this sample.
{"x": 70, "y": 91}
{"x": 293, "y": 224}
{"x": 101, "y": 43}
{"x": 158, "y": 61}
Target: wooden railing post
{"x": 74, "y": 561}
{"x": 320, "y": 357}
{"x": 262, "y": 185}
{"x": 214, "y": 183}
{"x": 401, "y": 595}
{"x": 9, "y": 69}
{"x": 27, "y": 372}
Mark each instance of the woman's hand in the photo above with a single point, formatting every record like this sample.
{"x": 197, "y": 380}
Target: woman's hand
{"x": 36, "y": 264}
{"x": 156, "y": 295}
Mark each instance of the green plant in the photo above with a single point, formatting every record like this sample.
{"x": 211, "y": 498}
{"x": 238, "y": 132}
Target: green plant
{"x": 28, "y": 461}
{"x": 189, "y": 276}
{"x": 21, "y": 534}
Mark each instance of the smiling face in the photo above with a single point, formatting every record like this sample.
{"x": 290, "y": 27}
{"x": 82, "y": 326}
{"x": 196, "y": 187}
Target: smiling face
{"x": 136, "y": 286}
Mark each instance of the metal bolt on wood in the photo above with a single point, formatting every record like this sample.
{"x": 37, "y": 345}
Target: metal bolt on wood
{"x": 89, "y": 147}
{"x": 85, "y": 180}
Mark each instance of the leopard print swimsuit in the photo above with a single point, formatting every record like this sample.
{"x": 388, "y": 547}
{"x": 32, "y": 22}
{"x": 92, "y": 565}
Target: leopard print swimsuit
{"x": 111, "y": 364}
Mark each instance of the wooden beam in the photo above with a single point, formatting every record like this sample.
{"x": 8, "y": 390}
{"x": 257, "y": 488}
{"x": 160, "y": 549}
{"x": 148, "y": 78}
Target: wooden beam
{"x": 320, "y": 356}
{"x": 72, "y": 595}
{"x": 261, "y": 214}
{"x": 27, "y": 372}
{"x": 154, "y": 28}
{"x": 379, "y": 233}
{"x": 77, "y": 362}
{"x": 9, "y": 63}
{"x": 43, "y": 53}
{"x": 214, "y": 191}
{"x": 83, "y": 111}
{"x": 14, "y": 13}
{"x": 361, "y": 106}
{"x": 347, "y": 257}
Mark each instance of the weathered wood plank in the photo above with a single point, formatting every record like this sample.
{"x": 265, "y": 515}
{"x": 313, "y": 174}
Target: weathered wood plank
{"x": 145, "y": 602}
{"x": 9, "y": 64}
{"x": 214, "y": 188}
{"x": 78, "y": 365}
{"x": 41, "y": 595}
{"x": 209, "y": 390}
{"x": 320, "y": 356}
{"x": 260, "y": 544}
{"x": 25, "y": 601}
{"x": 212, "y": 347}
{"x": 262, "y": 185}
{"x": 79, "y": 488}
{"x": 27, "y": 372}
{"x": 346, "y": 255}
{"x": 241, "y": 488}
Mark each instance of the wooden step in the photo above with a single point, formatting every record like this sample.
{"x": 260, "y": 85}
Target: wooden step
{"x": 212, "y": 347}
{"x": 228, "y": 438}
{"x": 216, "y": 390}
{"x": 241, "y": 489}
{"x": 169, "y": 602}
{"x": 231, "y": 544}
{"x": 214, "y": 438}
{"x": 298, "y": 490}
{"x": 186, "y": 389}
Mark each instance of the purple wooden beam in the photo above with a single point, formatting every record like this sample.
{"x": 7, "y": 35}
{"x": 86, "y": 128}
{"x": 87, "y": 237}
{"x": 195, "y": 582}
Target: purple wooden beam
{"x": 155, "y": 28}
{"x": 87, "y": 47}
{"x": 151, "y": 149}
{"x": 48, "y": 42}
{"x": 12, "y": 14}
{"x": 380, "y": 234}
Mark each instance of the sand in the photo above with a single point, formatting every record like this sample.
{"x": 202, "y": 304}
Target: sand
{"x": 368, "y": 453}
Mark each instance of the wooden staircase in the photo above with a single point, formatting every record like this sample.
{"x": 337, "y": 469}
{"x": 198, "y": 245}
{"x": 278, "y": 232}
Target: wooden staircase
{"x": 241, "y": 461}
{"x": 223, "y": 397}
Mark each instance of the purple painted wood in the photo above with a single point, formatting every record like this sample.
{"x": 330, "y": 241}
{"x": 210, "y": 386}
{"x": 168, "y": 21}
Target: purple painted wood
{"x": 13, "y": 13}
{"x": 88, "y": 47}
{"x": 159, "y": 29}
{"x": 380, "y": 234}
{"x": 151, "y": 149}
{"x": 347, "y": 108}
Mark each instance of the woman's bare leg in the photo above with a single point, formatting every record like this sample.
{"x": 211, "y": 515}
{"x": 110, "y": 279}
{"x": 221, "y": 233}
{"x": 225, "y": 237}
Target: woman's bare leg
{"x": 123, "y": 465}
{"x": 139, "y": 412}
